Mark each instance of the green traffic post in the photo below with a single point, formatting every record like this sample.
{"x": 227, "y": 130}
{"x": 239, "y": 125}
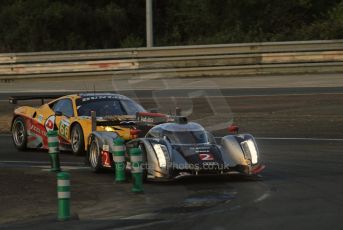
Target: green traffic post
{"x": 119, "y": 159}
{"x": 136, "y": 170}
{"x": 54, "y": 151}
{"x": 63, "y": 194}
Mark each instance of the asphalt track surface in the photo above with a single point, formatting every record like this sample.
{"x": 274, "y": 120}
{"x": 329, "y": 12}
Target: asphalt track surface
{"x": 301, "y": 188}
{"x": 228, "y": 92}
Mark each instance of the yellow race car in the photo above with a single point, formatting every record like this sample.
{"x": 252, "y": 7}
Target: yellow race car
{"x": 71, "y": 116}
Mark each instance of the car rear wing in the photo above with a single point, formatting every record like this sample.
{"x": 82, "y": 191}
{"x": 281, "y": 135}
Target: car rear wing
{"x": 142, "y": 119}
{"x": 15, "y": 99}
{"x": 115, "y": 122}
{"x": 159, "y": 118}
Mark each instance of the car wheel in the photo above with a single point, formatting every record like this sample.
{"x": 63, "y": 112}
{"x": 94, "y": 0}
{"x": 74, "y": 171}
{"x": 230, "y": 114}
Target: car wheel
{"x": 77, "y": 140}
{"x": 94, "y": 156}
{"x": 19, "y": 134}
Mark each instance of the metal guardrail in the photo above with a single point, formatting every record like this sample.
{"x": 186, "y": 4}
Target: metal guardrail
{"x": 332, "y": 67}
{"x": 213, "y": 59}
{"x": 65, "y": 67}
{"x": 241, "y": 48}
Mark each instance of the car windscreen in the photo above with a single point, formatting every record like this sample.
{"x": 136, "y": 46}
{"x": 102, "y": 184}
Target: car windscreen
{"x": 107, "y": 107}
{"x": 186, "y": 137}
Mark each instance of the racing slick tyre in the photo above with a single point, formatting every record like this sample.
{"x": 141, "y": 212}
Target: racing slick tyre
{"x": 19, "y": 134}
{"x": 94, "y": 156}
{"x": 77, "y": 140}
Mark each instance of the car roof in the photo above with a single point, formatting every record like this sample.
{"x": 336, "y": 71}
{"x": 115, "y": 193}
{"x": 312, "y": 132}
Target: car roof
{"x": 102, "y": 95}
{"x": 176, "y": 127}
{"x": 94, "y": 96}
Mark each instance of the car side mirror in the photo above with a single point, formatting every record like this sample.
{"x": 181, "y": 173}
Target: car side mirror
{"x": 58, "y": 113}
{"x": 233, "y": 128}
{"x": 211, "y": 138}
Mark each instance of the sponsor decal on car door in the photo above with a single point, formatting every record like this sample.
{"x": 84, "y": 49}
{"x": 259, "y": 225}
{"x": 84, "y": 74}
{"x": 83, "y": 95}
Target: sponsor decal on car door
{"x": 36, "y": 134}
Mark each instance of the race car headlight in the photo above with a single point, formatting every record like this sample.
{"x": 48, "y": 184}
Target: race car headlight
{"x": 109, "y": 129}
{"x": 160, "y": 151}
{"x": 250, "y": 150}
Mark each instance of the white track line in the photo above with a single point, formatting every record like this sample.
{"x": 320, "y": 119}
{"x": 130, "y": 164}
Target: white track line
{"x": 299, "y": 138}
{"x": 176, "y": 96}
{"x": 262, "y": 197}
{"x": 5, "y": 135}
{"x": 240, "y": 96}
{"x": 139, "y": 226}
{"x": 39, "y": 162}
{"x": 295, "y": 138}
{"x": 263, "y": 138}
{"x": 143, "y": 216}
{"x": 235, "y": 96}
{"x": 43, "y": 91}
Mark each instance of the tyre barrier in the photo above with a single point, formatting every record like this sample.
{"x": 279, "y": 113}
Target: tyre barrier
{"x": 119, "y": 159}
{"x": 54, "y": 151}
{"x": 63, "y": 195}
{"x": 136, "y": 170}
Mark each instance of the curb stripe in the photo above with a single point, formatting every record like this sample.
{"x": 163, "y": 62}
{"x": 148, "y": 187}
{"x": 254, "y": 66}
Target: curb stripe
{"x": 53, "y": 150}
{"x": 136, "y": 158}
{"x": 119, "y": 148}
{"x": 53, "y": 139}
{"x": 118, "y": 159}
{"x": 63, "y": 183}
{"x": 136, "y": 170}
{"x": 63, "y": 195}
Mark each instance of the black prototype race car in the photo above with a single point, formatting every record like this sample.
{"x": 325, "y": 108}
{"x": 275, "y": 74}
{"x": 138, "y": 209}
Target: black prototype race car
{"x": 178, "y": 148}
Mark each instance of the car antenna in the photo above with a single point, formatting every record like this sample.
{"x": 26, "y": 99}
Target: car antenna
{"x": 86, "y": 87}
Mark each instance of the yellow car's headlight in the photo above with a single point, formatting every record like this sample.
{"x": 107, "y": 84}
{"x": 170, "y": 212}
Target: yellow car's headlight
{"x": 109, "y": 129}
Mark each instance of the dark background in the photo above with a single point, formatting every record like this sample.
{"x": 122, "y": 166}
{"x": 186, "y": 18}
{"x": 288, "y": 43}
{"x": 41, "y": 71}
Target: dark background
{"x": 43, "y": 25}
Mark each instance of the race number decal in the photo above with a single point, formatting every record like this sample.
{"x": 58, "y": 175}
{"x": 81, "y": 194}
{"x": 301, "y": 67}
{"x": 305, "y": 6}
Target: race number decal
{"x": 63, "y": 130}
{"x": 50, "y": 123}
{"x": 206, "y": 157}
